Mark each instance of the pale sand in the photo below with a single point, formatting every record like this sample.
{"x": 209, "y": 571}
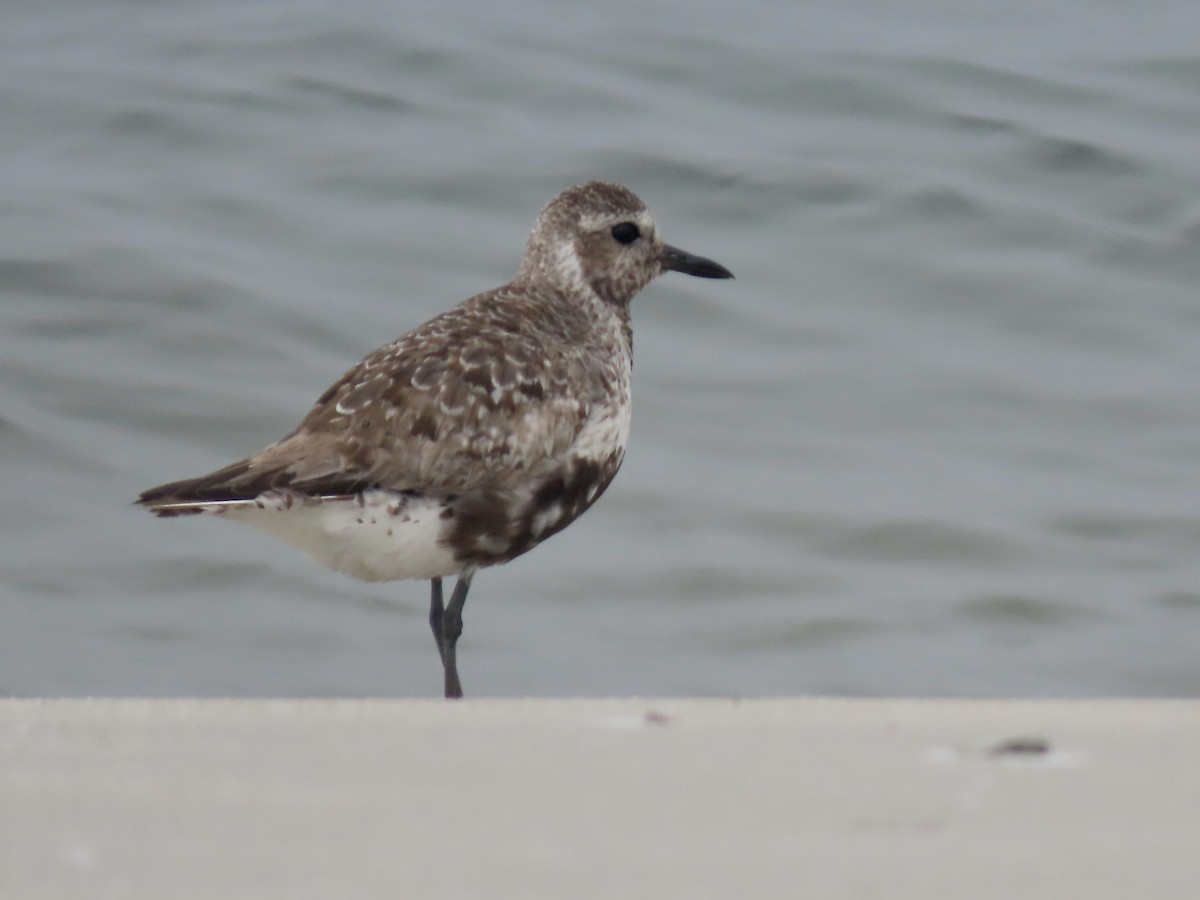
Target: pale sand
{"x": 586, "y": 799}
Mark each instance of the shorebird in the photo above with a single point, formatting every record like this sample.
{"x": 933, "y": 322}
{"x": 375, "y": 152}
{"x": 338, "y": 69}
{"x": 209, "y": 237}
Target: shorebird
{"x": 474, "y": 437}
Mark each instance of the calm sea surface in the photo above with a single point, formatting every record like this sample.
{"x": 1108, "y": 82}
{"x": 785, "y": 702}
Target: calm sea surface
{"x": 941, "y": 436}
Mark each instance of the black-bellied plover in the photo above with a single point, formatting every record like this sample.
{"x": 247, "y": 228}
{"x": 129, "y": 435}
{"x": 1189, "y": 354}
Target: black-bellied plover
{"x": 475, "y": 437}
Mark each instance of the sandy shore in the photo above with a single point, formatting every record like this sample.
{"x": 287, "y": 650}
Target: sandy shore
{"x": 583, "y": 799}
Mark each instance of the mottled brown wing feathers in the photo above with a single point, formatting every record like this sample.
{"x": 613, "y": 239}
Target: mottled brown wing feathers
{"x": 470, "y": 400}
{"x": 247, "y": 478}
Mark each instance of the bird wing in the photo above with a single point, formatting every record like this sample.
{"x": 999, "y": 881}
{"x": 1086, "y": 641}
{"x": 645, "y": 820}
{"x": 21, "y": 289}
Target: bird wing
{"x": 471, "y": 399}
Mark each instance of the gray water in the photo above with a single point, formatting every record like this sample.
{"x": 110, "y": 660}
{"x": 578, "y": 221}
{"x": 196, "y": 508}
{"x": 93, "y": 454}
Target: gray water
{"x": 941, "y": 436}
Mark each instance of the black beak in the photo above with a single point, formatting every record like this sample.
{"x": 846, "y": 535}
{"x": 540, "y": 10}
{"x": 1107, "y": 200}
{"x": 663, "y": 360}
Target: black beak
{"x": 676, "y": 260}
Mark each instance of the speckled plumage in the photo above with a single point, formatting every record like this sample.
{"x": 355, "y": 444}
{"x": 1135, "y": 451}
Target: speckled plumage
{"x": 480, "y": 433}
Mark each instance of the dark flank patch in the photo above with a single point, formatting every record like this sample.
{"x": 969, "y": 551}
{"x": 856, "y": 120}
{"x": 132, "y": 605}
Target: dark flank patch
{"x": 482, "y": 528}
{"x": 569, "y": 489}
{"x": 490, "y": 528}
{"x": 550, "y": 492}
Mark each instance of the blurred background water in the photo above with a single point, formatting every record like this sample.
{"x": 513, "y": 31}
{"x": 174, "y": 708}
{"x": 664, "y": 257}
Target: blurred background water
{"x": 940, "y": 437}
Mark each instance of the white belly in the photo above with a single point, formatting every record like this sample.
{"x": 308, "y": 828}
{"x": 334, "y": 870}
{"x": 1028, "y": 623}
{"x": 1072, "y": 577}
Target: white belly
{"x": 384, "y": 537}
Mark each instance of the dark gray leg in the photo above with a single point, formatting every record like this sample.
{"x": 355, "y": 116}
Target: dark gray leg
{"x": 451, "y": 622}
{"x": 435, "y": 616}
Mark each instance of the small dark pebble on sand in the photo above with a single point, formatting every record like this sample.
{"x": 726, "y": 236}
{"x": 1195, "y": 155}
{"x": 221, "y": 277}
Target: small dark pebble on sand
{"x": 1020, "y": 746}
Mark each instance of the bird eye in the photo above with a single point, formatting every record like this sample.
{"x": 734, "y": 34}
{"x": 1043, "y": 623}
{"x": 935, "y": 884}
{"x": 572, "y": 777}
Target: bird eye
{"x": 625, "y": 233}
